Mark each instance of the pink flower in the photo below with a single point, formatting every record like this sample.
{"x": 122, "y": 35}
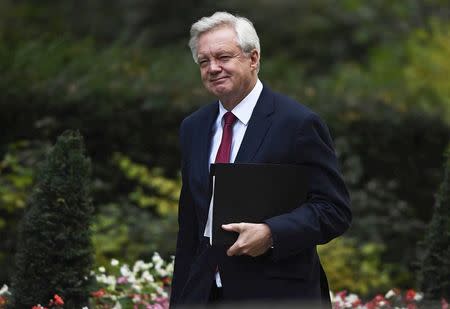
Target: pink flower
{"x": 342, "y": 294}
{"x": 122, "y": 280}
{"x": 444, "y": 304}
{"x": 379, "y": 298}
{"x": 58, "y": 300}
{"x": 99, "y": 293}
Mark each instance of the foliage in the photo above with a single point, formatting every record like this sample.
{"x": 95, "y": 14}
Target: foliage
{"x": 434, "y": 272}
{"x": 132, "y": 233}
{"x": 162, "y": 193}
{"x": 121, "y": 73}
{"x": 54, "y": 251}
{"x": 380, "y": 216}
{"x": 16, "y": 179}
{"x": 355, "y": 267}
{"x": 320, "y": 32}
{"x": 142, "y": 221}
{"x": 143, "y": 285}
{"x": 413, "y": 73}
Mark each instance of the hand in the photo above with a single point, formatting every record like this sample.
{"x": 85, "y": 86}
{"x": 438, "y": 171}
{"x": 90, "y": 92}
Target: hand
{"x": 254, "y": 238}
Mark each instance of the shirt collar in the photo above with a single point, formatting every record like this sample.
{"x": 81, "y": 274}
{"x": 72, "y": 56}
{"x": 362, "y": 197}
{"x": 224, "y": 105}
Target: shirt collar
{"x": 243, "y": 111}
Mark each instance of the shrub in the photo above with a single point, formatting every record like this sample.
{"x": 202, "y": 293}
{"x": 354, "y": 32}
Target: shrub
{"x": 54, "y": 252}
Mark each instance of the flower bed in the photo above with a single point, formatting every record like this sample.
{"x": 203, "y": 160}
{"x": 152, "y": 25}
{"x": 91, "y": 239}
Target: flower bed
{"x": 143, "y": 285}
{"x": 147, "y": 285}
{"x": 392, "y": 299}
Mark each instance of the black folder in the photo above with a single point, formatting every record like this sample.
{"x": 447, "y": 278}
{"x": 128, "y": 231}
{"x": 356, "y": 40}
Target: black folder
{"x": 253, "y": 193}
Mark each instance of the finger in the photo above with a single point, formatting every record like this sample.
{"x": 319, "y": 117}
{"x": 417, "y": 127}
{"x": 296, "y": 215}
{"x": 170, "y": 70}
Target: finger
{"x": 234, "y": 227}
{"x": 233, "y": 250}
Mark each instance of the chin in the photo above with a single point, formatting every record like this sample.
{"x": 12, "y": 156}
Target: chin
{"x": 219, "y": 91}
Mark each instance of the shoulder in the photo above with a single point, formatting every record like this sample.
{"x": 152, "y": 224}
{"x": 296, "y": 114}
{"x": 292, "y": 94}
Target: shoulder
{"x": 291, "y": 109}
{"x": 199, "y": 117}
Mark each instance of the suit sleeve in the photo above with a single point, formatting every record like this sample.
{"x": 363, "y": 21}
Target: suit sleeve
{"x": 326, "y": 214}
{"x": 187, "y": 240}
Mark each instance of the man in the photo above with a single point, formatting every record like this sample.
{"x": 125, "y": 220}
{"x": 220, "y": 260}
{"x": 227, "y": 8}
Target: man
{"x": 277, "y": 259}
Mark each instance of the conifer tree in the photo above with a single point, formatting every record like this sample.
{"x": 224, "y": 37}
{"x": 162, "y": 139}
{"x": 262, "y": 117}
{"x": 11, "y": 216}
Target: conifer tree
{"x": 54, "y": 251}
{"x": 434, "y": 272}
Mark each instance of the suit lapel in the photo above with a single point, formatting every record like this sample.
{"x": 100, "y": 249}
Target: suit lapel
{"x": 258, "y": 126}
{"x": 204, "y": 131}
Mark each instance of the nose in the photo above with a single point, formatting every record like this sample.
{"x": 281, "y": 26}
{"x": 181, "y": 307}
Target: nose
{"x": 214, "y": 67}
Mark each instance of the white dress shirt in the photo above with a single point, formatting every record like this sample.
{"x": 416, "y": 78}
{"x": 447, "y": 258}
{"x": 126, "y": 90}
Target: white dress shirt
{"x": 243, "y": 111}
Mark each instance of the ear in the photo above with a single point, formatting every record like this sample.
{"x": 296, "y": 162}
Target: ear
{"x": 254, "y": 59}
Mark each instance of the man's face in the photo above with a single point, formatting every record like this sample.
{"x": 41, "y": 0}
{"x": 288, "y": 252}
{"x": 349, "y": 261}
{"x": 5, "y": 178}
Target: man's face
{"x": 225, "y": 70}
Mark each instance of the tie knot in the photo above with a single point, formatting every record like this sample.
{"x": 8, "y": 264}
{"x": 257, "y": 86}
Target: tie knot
{"x": 229, "y": 118}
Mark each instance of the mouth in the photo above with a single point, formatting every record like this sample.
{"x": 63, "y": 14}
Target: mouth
{"x": 218, "y": 79}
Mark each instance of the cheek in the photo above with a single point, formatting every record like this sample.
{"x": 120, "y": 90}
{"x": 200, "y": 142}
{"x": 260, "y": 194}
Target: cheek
{"x": 203, "y": 75}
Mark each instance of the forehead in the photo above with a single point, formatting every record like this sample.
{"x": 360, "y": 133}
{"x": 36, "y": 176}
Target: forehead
{"x": 216, "y": 40}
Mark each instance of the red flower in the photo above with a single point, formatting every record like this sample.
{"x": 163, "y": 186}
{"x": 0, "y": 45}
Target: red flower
{"x": 99, "y": 293}
{"x": 58, "y": 300}
{"x": 371, "y": 305}
{"x": 342, "y": 294}
{"x": 166, "y": 280}
{"x": 410, "y": 294}
{"x": 2, "y": 300}
{"x": 356, "y": 303}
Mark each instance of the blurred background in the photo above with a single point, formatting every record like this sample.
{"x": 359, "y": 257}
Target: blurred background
{"x": 121, "y": 72}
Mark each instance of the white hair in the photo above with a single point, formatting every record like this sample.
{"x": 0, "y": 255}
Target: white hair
{"x": 247, "y": 38}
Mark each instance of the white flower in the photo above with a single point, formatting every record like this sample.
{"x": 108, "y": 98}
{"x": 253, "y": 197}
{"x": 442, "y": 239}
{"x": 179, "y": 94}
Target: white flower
{"x": 159, "y": 290}
{"x": 125, "y": 270}
{"x": 156, "y": 258}
{"x": 101, "y": 269}
{"x": 114, "y": 262}
{"x": 4, "y": 290}
{"x": 138, "y": 266}
{"x": 85, "y": 307}
{"x": 390, "y": 293}
{"x": 136, "y": 287}
{"x": 169, "y": 267}
{"x": 351, "y": 298}
{"x": 108, "y": 280}
{"x": 417, "y": 297}
{"x": 147, "y": 276}
{"x": 111, "y": 281}
{"x": 117, "y": 305}
{"x": 162, "y": 272}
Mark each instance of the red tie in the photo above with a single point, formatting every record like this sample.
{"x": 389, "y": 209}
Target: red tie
{"x": 223, "y": 154}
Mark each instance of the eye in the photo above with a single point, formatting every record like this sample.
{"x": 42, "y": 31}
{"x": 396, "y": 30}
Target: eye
{"x": 202, "y": 62}
{"x": 225, "y": 58}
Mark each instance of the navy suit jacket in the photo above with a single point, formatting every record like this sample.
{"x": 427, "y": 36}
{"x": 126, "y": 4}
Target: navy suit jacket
{"x": 280, "y": 130}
